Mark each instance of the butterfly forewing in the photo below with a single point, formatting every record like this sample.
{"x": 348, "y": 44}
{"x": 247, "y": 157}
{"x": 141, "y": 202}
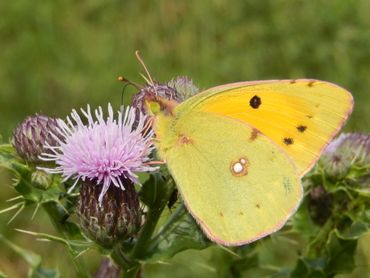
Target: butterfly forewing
{"x": 301, "y": 116}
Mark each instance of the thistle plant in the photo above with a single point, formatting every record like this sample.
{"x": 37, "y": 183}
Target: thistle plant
{"x": 104, "y": 170}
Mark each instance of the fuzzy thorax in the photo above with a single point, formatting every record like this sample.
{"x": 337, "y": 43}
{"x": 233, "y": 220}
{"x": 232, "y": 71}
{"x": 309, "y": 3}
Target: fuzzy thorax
{"x": 159, "y": 105}
{"x": 164, "y": 128}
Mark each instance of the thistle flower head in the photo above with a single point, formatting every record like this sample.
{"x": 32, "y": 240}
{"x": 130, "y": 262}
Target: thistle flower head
{"x": 99, "y": 150}
{"x": 31, "y": 135}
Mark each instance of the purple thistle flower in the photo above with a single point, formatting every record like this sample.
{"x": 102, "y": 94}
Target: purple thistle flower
{"x": 104, "y": 151}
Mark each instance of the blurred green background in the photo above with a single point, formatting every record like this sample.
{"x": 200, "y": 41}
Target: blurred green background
{"x": 60, "y": 54}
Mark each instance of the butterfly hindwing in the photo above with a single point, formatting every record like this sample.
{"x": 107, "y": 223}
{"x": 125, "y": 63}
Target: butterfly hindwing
{"x": 236, "y": 182}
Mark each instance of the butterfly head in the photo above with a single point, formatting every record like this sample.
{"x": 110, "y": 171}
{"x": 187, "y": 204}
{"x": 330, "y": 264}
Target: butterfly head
{"x": 154, "y": 98}
{"x": 160, "y": 105}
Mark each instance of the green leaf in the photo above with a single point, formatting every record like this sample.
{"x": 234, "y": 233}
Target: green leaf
{"x": 148, "y": 192}
{"x": 340, "y": 254}
{"x": 59, "y": 216}
{"x": 31, "y": 258}
{"x": 153, "y": 189}
{"x": 306, "y": 268}
{"x": 179, "y": 233}
{"x": 44, "y": 273}
{"x": 76, "y": 246}
{"x": 363, "y": 192}
{"x": 23, "y": 183}
{"x": 243, "y": 264}
{"x": 2, "y": 275}
{"x": 302, "y": 221}
{"x": 7, "y": 156}
{"x": 355, "y": 231}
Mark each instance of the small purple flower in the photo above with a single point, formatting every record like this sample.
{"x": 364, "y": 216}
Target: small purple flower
{"x": 104, "y": 151}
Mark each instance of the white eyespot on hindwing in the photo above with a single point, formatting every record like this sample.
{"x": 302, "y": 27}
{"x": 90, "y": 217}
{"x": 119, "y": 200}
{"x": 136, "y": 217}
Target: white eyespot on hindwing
{"x": 239, "y": 167}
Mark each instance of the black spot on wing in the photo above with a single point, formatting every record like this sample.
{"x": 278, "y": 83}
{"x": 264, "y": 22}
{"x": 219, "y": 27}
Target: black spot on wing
{"x": 310, "y": 84}
{"x": 255, "y": 102}
{"x": 288, "y": 141}
{"x": 301, "y": 128}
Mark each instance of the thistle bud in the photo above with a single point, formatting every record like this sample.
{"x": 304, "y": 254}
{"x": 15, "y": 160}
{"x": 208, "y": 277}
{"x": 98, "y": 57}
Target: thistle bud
{"x": 184, "y": 87}
{"x": 320, "y": 205}
{"x": 347, "y": 150}
{"x": 41, "y": 179}
{"x": 116, "y": 218}
{"x": 31, "y": 135}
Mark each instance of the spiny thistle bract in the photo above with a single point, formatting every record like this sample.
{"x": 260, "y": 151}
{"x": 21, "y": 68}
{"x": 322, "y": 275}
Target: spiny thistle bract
{"x": 116, "y": 217}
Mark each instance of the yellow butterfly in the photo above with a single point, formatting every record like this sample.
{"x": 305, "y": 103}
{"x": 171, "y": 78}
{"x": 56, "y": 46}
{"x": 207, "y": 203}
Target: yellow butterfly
{"x": 238, "y": 151}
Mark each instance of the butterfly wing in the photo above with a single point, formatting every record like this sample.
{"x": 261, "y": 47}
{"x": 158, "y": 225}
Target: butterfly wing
{"x": 301, "y": 116}
{"x": 238, "y": 185}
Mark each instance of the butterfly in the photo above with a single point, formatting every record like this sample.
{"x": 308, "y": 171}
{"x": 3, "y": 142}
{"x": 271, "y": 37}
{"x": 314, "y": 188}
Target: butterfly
{"x": 237, "y": 152}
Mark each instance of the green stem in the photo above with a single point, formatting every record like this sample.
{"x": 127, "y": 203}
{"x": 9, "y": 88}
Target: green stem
{"x": 179, "y": 212}
{"x": 131, "y": 265}
{"x": 57, "y": 215}
{"x": 320, "y": 238}
{"x": 132, "y": 272}
{"x": 146, "y": 232}
{"x": 153, "y": 216}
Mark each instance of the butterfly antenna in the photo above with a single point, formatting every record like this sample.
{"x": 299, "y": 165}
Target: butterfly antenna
{"x": 127, "y": 83}
{"x": 145, "y": 68}
{"x": 146, "y": 79}
{"x": 123, "y": 92}
{"x": 125, "y": 80}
